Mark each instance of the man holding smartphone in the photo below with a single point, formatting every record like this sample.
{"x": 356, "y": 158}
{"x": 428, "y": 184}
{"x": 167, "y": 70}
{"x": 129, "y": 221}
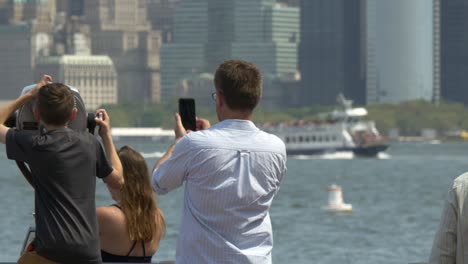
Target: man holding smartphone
{"x": 231, "y": 170}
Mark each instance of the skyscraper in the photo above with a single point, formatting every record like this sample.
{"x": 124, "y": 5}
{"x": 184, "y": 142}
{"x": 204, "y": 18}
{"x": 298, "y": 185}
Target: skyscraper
{"x": 41, "y": 11}
{"x": 454, "y": 50}
{"x": 16, "y": 59}
{"x": 207, "y": 32}
{"x": 267, "y": 34}
{"x": 120, "y": 29}
{"x": 184, "y": 57}
{"x": 161, "y": 15}
{"x": 332, "y": 50}
{"x": 400, "y": 61}
{"x": 71, "y": 7}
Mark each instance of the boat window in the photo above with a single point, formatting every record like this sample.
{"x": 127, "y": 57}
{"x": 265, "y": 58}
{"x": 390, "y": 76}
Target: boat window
{"x": 314, "y": 138}
{"x": 287, "y": 139}
{"x": 300, "y": 138}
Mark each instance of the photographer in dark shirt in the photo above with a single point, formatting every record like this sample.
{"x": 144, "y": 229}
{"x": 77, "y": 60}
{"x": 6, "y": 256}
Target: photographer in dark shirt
{"x": 64, "y": 164}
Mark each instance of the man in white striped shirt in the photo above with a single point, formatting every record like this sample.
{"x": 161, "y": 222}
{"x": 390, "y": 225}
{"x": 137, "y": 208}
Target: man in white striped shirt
{"x": 231, "y": 170}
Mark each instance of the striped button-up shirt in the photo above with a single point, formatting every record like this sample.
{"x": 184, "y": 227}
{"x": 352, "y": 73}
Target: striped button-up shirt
{"x": 231, "y": 172}
{"x": 451, "y": 240}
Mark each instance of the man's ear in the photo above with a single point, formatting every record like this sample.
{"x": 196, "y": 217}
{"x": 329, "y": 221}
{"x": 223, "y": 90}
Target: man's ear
{"x": 220, "y": 99}
{"x": 73, "y": 114}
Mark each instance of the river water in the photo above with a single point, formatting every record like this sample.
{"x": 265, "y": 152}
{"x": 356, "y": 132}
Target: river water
{"x": 397, "y": 201}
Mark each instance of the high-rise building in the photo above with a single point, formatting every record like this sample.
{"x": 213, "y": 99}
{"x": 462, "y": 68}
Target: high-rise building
{"x": 290, "y": 2}
{"x": 267, "y": 34}
{"x": 71, "y": 7}
{"x": 454, "y": 50}
{"x": 5, "y": 12}
{"x": 42, "y": 12}
{"x": 16, "y": 59}
{"x": 184, "y": 57}
{"x": 120, "y": 29}
{"x": 161, "y": 14}
{"x": 332, "y": 50}
{"x": 94, "y": 76}
{"x": 208, "y": 32}
{"x": 400, "y": 61}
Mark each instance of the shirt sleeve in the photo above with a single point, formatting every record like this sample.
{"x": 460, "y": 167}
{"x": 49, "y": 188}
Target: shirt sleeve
{"x": 172, "y": 173}
{"x": 103, "y": 166}
{"x": 18, "y": 145}
{"x": 445, "y": 241}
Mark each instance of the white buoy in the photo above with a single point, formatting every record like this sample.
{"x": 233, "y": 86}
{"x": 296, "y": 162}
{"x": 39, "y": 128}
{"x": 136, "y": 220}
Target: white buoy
{"x": 335, "y": 200}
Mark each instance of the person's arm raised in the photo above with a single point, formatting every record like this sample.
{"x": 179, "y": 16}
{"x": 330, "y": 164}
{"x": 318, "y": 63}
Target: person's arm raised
{"x": 179, "y": 131}
{"x": 7, "y": 110}
{"x": 115, "y": 180}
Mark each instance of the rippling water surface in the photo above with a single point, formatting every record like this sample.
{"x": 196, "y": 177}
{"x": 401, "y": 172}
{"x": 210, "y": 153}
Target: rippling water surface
{"x": 397, "y": 200}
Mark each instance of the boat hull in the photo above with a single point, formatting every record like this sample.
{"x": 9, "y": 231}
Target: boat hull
{"x": 370, "y": 151}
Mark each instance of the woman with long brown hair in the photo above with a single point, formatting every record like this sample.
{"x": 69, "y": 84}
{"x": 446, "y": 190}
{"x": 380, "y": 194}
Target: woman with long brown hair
{"x": 131, "y": 229}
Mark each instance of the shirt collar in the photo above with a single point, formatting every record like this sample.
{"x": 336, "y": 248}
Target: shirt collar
{"x": 238, "y": 124}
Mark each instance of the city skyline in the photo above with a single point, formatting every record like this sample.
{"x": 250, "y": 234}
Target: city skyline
{"x": 372, "y": 51}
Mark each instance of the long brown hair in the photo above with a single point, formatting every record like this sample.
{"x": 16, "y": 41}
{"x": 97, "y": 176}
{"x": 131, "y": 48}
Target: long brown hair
{"x": 137, "y": 198}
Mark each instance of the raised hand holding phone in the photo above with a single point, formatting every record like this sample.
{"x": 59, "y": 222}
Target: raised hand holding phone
{"x": 187, "y": 113}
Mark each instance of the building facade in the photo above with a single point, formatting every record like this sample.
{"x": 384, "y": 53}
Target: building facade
{"x": 453, "y": 50}
{"x": 332, "y": 51}
{"x": 71, "y": 7}
{"x": 16, "y": 59}
{"x": 121, "y": 30}
{"x": 161, "y": 15}
{"x": 400, "y": 51}
{"x": 95, "y": 77}
{"x": 208, "y": 32}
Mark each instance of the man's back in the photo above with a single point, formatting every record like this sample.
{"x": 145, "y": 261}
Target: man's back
{"x": 232, "y": 172}
{"x": 63, "y": 164}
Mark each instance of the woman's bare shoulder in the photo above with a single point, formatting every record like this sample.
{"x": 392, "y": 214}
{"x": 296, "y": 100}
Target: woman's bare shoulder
{"x": 109, "y": 214}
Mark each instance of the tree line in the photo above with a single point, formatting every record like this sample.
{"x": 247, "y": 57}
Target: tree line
{"x": 408, "y": 117}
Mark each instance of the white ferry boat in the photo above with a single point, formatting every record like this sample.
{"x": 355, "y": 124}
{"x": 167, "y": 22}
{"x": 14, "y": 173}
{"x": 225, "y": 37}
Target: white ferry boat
{"x": 336, "y": 131}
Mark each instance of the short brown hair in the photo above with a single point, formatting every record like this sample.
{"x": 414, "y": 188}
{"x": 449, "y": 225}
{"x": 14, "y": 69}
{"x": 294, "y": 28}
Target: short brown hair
{"x": 241, "y": 84}
{"x": 56, "y": 102}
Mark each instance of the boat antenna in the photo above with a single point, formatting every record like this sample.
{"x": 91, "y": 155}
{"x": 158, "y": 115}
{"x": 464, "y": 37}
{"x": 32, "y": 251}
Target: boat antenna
{"x": 347, "y": 104}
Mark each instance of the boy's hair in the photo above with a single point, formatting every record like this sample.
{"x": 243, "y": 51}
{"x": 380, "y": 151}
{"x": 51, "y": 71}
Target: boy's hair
{"x": 240, "y": 82}
{"x": 55, "y": 103}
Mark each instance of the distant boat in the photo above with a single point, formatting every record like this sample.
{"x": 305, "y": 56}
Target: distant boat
{"x": 339, "y": 130}
{"x": 335, "y": 200}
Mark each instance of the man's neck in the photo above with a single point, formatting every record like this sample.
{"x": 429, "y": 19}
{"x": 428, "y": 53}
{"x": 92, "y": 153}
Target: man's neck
{"x": 237, "y": 115}
{"x": 53, "y": 127}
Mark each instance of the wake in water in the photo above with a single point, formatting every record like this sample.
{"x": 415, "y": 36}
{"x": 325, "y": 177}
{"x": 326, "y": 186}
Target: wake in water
{"x": 340, "y": 155}
{"x": 383, "y": 155}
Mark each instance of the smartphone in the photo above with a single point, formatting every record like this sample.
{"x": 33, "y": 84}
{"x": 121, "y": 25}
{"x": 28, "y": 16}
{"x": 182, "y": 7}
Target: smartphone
{"x": 187, "y": 113}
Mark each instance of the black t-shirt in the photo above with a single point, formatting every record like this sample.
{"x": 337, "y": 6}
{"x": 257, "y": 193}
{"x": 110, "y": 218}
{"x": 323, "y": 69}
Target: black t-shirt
{"x": 63, "y": 165}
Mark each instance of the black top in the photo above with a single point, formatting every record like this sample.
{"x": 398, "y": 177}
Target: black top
{"x": 107, "y": 257}
{"x": 63, "y": 165}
